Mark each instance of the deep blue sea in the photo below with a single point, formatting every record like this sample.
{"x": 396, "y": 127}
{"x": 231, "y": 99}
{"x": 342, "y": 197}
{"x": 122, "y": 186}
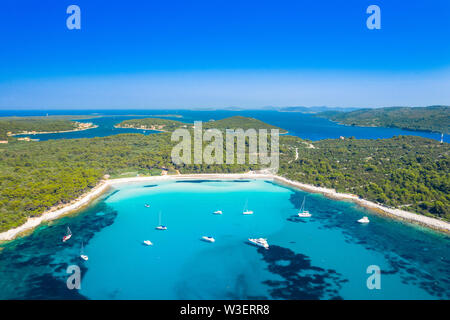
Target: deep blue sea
{"x": 305, "y": 126}
{"x": 323, "y": 257}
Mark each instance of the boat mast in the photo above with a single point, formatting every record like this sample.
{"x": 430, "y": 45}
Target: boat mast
{"x": 302, "y": 208}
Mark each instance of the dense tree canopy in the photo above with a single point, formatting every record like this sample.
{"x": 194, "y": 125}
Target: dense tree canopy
{"x": 152, "y": 124}
{"x": 406, "y": 172}
{"x": 19, "y": 125}
{"x": 236, "y": 122}
{"x": 433, "y": 118}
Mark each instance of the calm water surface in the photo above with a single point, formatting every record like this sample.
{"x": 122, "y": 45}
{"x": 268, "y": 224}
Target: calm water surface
{"x": 305, "y": 126}
{"x": 323, "y": 257}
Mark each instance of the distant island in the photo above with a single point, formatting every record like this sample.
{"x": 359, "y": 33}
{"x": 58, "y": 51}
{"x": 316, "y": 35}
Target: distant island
{"x": 433, "y": 118}
{"x": 407, "y": 172}
{"x": 155, "y": 124}
{"x": 10, "y": 127}
{"x": 170, "y": 125}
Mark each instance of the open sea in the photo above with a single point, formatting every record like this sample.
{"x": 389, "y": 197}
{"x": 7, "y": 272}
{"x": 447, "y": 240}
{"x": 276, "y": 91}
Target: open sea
{"x": 322, "y": 257}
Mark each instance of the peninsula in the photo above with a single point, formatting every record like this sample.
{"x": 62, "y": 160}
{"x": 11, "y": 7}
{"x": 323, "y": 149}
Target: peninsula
{"x": 433, "y": 118}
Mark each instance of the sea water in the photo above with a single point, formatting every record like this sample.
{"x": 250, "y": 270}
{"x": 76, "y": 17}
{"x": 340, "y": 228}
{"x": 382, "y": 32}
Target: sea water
{"x": 322, "y": 257}
{"x": 305, "y": 126}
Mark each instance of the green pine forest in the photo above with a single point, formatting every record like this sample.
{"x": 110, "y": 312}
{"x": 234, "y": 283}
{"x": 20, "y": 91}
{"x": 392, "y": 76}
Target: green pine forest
{"x": 405, "y": 172}
{"x": 18, "y": 125}
{"x": 227, "y": 123}
{"x": 432, "y": 118}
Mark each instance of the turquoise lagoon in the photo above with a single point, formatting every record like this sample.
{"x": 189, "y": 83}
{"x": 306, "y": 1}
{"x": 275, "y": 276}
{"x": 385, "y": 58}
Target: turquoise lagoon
{"x": 323, "y": 257}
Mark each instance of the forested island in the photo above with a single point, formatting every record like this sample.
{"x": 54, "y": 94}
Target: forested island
{"x": 433, "y": 118}
{"x": 14, "y": 125}
{"x": 223, "y": 124}
{"x": 405, "y": 172}
{"x": 152, "y": 124}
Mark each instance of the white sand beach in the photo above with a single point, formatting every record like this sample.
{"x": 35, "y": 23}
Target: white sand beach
{"x": 84, "y": 200}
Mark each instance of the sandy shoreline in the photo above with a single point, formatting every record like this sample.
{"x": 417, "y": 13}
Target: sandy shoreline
{"x": 86, "y": 199}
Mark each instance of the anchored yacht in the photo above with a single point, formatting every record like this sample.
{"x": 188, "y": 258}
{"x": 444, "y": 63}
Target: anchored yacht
{"x": 148, "y": 242}
{"x": 260, "y": 242}
{"x": 304, "y": 213}
{"x": 208, "y": 239}
{"x": 246, "y": 211}
{"x": 160, "y": 226}
{"x": 364, "y": 220}
{"x": 68, "y": 235}
{"x": 82, "y": 255}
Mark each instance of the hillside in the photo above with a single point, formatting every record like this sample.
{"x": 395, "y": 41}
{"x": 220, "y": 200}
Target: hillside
{"x": 239, "y": 122}
{"x": 433, "y": 118}
{"x": 170, "y": 125}
{"x": 151, "y": 124}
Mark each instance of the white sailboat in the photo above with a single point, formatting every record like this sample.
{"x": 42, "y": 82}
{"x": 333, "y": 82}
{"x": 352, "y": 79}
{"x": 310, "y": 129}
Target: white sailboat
{"x": 304, "y": 213}
{"x": 82, "y": 255}
{"x": 160, "y": 226}
{"x": 68, "y": 235}
{"x": 246, "y": 211}
{"x": 218, "y": 212}
{"x": 148, "y": 243}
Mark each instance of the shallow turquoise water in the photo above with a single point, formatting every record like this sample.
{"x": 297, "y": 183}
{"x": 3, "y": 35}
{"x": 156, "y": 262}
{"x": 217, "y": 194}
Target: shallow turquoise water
{"x": 324, "y": 257}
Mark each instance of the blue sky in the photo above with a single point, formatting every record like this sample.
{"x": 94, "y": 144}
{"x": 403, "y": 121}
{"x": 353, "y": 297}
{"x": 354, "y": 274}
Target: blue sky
{"x": 178, "y": 54}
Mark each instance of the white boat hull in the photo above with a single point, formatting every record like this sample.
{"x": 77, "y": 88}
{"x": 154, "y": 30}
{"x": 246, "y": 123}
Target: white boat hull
{"x": 304, "y": 214}
{"x": 257, "y": 243}
{"x": 209, "y": 239}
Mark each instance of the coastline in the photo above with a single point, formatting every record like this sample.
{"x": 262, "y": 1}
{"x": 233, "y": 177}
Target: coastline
{"x": 157, "y": 130}
{"x": 48, "y": 132}
{"x": 56, "y": 212}
{"x": 87, "y": 198}
{"x": 379, "y": 126}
